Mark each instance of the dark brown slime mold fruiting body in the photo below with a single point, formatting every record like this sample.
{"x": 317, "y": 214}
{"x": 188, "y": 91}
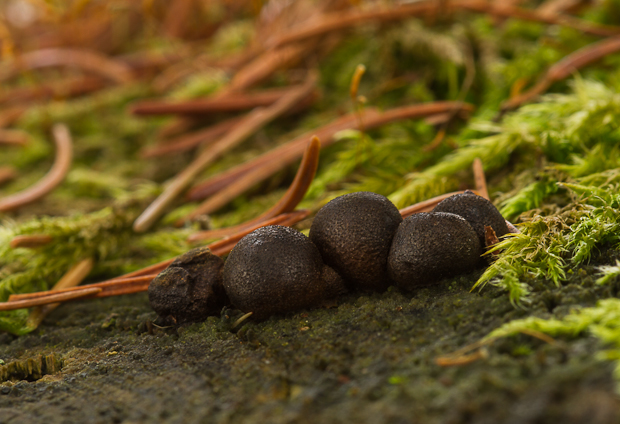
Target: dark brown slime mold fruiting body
{"x": 430, "y": 246}
{"x": 190, "y": 289}
{"x": 354, "y": 233}
{"x": 477, "y": 210}
{"x": 277, "y": 269}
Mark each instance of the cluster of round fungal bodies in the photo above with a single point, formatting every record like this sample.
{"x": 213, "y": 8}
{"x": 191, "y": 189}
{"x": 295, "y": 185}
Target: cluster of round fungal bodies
{"x": 358, "y": 241}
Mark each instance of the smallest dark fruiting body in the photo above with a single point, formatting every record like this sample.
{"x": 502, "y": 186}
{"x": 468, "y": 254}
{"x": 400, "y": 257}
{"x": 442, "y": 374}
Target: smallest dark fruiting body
{"x": 190, "y": 289}
{"x": 430, "y": 246}
{"x": 277, "y": 269}
{"x": 478, "y": 211}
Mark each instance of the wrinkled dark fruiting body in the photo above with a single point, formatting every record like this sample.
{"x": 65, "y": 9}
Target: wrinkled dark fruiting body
{"x": 190, "y": 289}
{"x": 478, "y": 211}
{"x": 354, "y": 233}
{"x": 275, "y": 270}
{"x": 430, "y": 246}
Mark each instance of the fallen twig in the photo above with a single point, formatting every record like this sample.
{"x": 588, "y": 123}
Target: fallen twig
{"x": 62, "y": 163}
{"x": 255, "y": 120}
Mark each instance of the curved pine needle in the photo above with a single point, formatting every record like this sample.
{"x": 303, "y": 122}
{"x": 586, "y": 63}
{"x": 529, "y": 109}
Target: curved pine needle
{"x": 62, "y": 163}
{"x": 288, "y": 202}
{"x": 85, "y": 59}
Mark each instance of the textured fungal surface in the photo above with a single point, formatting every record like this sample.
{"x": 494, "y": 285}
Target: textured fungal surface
{"x": 190, "y": 289}
{"x": 477, "y": 210}
{"x": 277, "y": 269}
{"x": 430, "y": 246}
{"x": 354, "y": 233}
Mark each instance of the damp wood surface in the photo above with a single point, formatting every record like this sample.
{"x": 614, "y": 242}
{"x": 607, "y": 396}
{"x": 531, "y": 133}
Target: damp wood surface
{"x": 121, "y": 123}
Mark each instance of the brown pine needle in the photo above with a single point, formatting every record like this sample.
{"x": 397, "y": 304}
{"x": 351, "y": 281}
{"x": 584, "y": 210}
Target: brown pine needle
{"x": 72, "y": 278}
{"x": 191, "y": 140}
{"x": 88, "y": 60}
{"x": 265, "y": 65}
{"x": 45, "y": 300}
{"x": 254, "y": 121}
{"x": 446, "y": 361}
{"x": 338, "y": 21}
{"x": 427, "y": 205}
{"x": 565, "y": 68}
{"x": 31, "y": 241}
{"x": 286, "y": 154}
{"x": 7, "y": 174}
{"x": 13, "y": 137}
{"x": 439, "y": 138}
{"x": 288, "y": 202}
{"x": 480, "y": 179}
{"x": 227, "y": 103}
{"x": 62, "y": 163}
